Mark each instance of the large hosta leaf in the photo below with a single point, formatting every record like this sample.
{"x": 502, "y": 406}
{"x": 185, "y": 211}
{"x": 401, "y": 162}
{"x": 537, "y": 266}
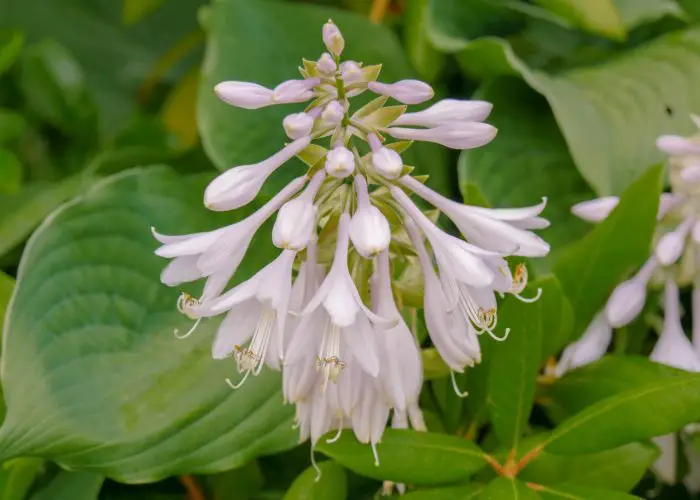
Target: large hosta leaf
{"x": 611, "y": 113}
{"x": 93, "y": 377}
{"x": 236, "y": 51}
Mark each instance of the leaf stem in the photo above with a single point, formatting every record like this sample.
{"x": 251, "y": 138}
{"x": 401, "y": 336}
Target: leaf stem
{"x": 194, "y": 492}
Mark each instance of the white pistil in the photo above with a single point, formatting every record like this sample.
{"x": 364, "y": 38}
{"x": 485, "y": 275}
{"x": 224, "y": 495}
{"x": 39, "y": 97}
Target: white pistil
{"x": 458, "y": 391}
{"x": 519, "y": 284}
{"x": 185, "y": 303}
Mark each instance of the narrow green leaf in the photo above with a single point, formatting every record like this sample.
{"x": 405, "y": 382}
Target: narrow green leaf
{"x": 408, "y": 457}
{"x": 466, "y": 492}
{"x": 612, "y": 375}
{"x": 90, "y": 316}
{"x": 330, "y": 483}
{"x": 66, "y": 485}
{"x": 581, "y": 493}
{"x": 503, "y": 488}
{"x": 651, "y": 410}
{"x": 590, "y": 269}
{"x": 10, "y": 172}
{"x": 617, "y": 469}
{"x": 515, "y": 363}
{"x": 17, "y": 477}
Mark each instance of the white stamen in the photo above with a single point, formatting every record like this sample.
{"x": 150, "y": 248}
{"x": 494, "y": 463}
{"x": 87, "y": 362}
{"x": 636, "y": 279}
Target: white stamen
{"x": 240, "y": 382}
{"x": 329, "y": 355}
{"x": 374, "y": 452}
{"x": 458, "y": 391}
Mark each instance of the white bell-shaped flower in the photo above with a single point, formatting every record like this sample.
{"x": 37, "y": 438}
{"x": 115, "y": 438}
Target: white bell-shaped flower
{"x": 404, "y": 91}
{"x": 458, "y": 135}
{"x": 244, "y": 94}
{"x": 627, "y": 300}
{"x": 296, "y": 220}
{"x": 590, "y": 347}
{"x": 670, "y": 246}
{"x": 446, "y": 111}
{"x": 487, "y": 228}
{"x": 239, "y": 186}
{"x": 369, "y": 230}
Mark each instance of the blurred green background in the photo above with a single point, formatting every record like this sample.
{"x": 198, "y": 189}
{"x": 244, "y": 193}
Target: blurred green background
{"x": 108, "y": 105}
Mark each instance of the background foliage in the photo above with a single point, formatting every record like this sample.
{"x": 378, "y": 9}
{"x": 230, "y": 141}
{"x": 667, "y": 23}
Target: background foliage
{"x": 108, "y": 125}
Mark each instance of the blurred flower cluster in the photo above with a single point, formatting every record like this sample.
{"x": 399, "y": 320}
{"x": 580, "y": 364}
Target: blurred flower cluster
{"x": 325, "y": 310}
{"x": 673, "y": 264}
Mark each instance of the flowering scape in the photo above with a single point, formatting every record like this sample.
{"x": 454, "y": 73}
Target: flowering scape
{"x": 346, "y": 229}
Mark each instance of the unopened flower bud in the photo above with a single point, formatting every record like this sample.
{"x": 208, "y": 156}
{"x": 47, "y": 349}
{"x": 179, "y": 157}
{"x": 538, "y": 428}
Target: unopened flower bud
{"x": 326, "y": 65}
{"x": 295, "y": 224}
{"x": 333, "y": 38}
{"x": 691, "y": 173}
{"x": 676, "y": 145}
{"x": 297, "y": 125}
{"x": 626, "y": 302}
{"x": 405, "y": 91}
{"x": 447, "y": 111}
{"x": 244, "y": 94}
{"x": 293, "y": 91}
{"x": 671, "y": 245}
{"x": 595, "y": 210}
{"x": 369, "y": 230}
{"x": 333, "y": 113}
{"x": 340, "y": 162}
{"x": 452, "y": 135}
{"x": 387, "y": 163}
{"x": 351, "y": 72}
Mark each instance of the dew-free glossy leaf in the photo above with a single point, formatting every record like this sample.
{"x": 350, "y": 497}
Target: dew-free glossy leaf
{"x": 529, "y": 160}
{"x": 590, "y": 269}
{"x": 331, "y": 485}
{"x": 503, "y": 488}
{"x": 409, "y": 457}
{"x": 466, "y": 492}
{"x": 649, "y": 410}
{"x": 90, "y": 317}
{"x": 79, "y": 485}
{"x": 618, "y": 469}
{"x": 566, "y": 492}
{"x": 611, "y": 113}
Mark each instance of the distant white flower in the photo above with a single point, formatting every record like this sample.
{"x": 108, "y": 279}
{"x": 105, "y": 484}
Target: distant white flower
{"x": 239, "y": 186}
{"x": 405, "y": 91}
{"x": 458, "y": 135}
{"x": 627, "y": 300}
{"x": 590, "y": 347}
{"x": 447, "y": 111}
{"x": 595, "y": 210}
{"x": 670, "y": 247}
{"x": 675, "y": 145}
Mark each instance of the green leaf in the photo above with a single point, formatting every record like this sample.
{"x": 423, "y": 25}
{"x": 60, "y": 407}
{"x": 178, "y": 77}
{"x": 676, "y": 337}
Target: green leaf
{"x": 54, "y": 86}
{"x": 80, "y": 485}
{"x": 590, "y": 269}
{"x": 235, "y": 50}
{"x": 611, "y": 375}
{"x": 617, "y": 469}
{"x": 10, "y": 172}
{"x": 527, "y": 161}
{"x": 650, "y": 410}
{"x": 246, "y": 481}
{"x": 515, "y": 363}
{"x": 22, "y": 212}
{"x": 136, "y": 49}
{"x": 7, "y": 285}
{"x": 331, "y": 485}
{"x": 408, "y": 457}
{"x": 503, "y": 488}
{"x": 604, "y": 110}
{"x": 17, "y": 477}
{"x": 135, "y": 10}
{"x": 90, "y": 316}
{"x": 433, "y": 364}
{"x": 611, "y": 18}
{"x": 428, "y": 61}
{"x": 581, "y": 493}
{"x": 11, "y": 43}
{"x": 12, "y": 124}
{"x": 466, "y": 492}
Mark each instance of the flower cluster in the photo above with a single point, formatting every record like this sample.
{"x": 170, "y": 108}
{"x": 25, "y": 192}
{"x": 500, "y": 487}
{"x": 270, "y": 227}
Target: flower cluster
{"x": 325, "y": 311}
{"x": 674, "y": 263}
